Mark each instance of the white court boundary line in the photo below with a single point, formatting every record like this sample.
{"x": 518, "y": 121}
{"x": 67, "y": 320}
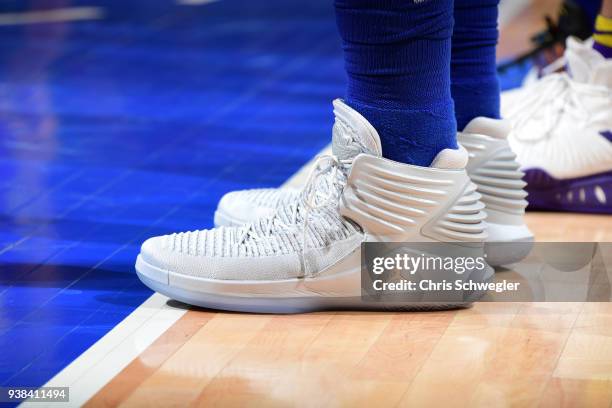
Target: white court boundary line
{"x": 58, "y": 15}
{"x": 112, "y": 353}
{"x": 93, "y": 369}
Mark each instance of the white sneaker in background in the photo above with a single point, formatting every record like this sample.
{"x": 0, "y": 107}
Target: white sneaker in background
{"x": 562, "y": 133}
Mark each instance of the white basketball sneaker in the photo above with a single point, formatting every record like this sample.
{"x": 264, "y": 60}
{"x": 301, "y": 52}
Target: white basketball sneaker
{"x": 307, "y": 255}
{"x": 492, "y": 166}
{"x": 562, "y": 133}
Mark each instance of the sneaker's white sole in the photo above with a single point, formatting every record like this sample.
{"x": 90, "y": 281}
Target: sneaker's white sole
{"x": 278, "y": 296}
{"x": 498, "y": 253}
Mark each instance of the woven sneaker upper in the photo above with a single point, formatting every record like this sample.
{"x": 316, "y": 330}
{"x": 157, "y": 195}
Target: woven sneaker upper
{"x": 298, "y": 225}
{"x": 279, "y": 234}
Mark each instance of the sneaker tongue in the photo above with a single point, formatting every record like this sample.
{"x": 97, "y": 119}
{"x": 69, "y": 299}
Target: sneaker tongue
{"x": 353, "y": 134}
{"x": 582, "y": 60}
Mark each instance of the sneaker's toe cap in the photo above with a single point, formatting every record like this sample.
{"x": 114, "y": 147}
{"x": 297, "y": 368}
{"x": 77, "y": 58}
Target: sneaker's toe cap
{"x": 154, "y": 252}
{"x": 174, "y": 256}
{"x": 169, "y": 254}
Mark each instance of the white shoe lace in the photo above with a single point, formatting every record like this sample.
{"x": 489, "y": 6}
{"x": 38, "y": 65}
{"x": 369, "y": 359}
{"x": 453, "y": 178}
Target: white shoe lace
{"x": 552, "y": 96}
{"x": 323, "y": 188}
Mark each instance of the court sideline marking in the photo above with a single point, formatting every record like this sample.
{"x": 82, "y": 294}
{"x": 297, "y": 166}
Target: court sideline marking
{"x": 93, "y": 369}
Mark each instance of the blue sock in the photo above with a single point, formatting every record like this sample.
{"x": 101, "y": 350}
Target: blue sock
{"x": 474, "y": 81}
{"x": 397, "y": 58}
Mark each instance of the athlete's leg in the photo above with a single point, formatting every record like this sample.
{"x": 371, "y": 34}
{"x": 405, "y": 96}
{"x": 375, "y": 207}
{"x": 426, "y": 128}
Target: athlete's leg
{"x": 397, "y": 58}
{"x": 474, "y": 82}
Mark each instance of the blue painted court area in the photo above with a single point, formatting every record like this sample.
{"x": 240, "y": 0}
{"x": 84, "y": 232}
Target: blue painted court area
{"x": 134, "y": 125}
